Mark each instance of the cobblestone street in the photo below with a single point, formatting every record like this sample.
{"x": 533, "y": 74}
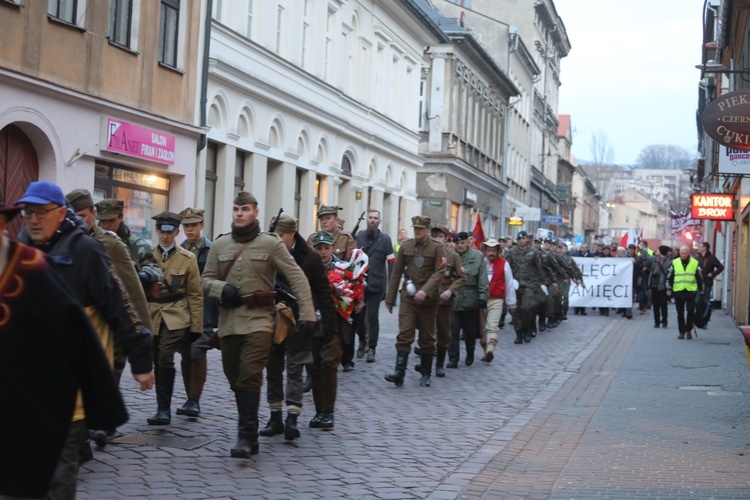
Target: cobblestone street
{"x": 544, "y": 419}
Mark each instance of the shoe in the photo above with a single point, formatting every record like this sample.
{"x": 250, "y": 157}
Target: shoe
{"x": 274, "y": 425}
{"x": 452, "y": 363}
{"x": 688, "y": 335}
{"x": 664, "y": 325}
{"x": 519, "y": 338}
{"x": 439, "y": 371}
{"x": 291, "y": 432}
{"x": 469, "y": 359}
{"x": 542, "y": 326}
{"x": 327, "y": 421}
{"x": 348, "y": 367}
{"x": 190, "y": 409}
{"x": 371, "y": 356}
{"x": 488, "y": 357}
{"x": 440, "y": 361}
{"x": 99, "y": 437}
{"x": 584, "y": 313}
{"x": 361, "y": 351}
{"x": 527, "y": 337}
{"x": 681, "y": 336}
{"x": 315, "y": 422}
{"x": 656, "y": 325}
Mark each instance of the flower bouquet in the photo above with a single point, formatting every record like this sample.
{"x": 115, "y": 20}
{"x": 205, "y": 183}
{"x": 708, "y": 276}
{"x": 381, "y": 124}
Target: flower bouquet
{"x": 348, "y": 282}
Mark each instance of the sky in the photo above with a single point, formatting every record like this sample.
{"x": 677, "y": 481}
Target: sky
{"x": 630, "y": 74}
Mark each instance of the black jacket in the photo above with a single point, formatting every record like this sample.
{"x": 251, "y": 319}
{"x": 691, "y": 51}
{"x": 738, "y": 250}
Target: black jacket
{"x": 379, "y": 250}
{"x": 84, "y": 267}
{"x": 309, "y": 261}
{"x": 709, "y": 265}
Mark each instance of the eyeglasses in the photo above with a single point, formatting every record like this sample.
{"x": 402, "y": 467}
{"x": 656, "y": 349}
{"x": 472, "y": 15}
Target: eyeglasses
{"x": 41, "y": 213}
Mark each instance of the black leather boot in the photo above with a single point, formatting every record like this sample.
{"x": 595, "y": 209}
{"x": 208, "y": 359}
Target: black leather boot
{"x": 439, "y": 362}
{"x": 274, "y": 425}
{"x": 519, "y": 338}
{"x": 247, "y": 426}
{"x": 194, "y": 388}
{"x": 397, "y": 377}
{"x": 164, "y": 387}
{"x": 291, "y": 432}
{"x": 426, "y": 370}
{"x": 542, "y": 323}
{"x": 317, "y": 382}
{"x": 332, "y": 386}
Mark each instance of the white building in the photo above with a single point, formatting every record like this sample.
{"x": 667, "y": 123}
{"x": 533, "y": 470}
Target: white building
{"x": 314, "y": 102}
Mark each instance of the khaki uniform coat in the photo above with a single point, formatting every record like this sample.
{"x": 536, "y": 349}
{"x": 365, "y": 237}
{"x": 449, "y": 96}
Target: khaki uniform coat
{"x": 254, "y": 271}
{"x": 181, "y": 276}
{"x": 426, "y": 277}
{"x": 120, "y": 257}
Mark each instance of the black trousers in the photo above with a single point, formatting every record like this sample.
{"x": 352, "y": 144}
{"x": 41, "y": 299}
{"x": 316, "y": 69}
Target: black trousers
{"x": 659, "y": 301}
{"x": 468, "y": 321}
{"x": 684, "y": 302}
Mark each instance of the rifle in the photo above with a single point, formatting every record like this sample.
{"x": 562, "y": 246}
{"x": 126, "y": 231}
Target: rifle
{"x": 275, "y": 222}
{"x": 356, "y": 227}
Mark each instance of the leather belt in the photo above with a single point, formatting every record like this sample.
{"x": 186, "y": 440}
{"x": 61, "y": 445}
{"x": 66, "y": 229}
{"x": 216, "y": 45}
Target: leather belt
{"x": 167, "y": 299}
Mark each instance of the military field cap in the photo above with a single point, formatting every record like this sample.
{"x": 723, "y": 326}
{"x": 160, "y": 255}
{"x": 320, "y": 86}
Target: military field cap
{"x": 80, "y": 199}
{"x": 463, "y": 235}
{"x": 420, "y": 221}
{"x": 492, "y": 242}
{"x": 42, "y": 193}
{"x": 322, "y": 237}
{"x": 244, "y": 198}
{"x": 167, "y": 221}
{"x": 286, "y": 224}
{"x": 192, "y": 215}
{"x": 522, "y": 234}
{"x": 109, "y": 208}
{"x": 470, "y": 233}
{"x": 341, "y": 223}
{"x": 443, "y": 229}
{"x": 328, "y": 209}
{"x": 538, "y": 241}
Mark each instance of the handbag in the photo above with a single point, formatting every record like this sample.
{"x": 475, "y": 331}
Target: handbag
{"x": 284, "y": 322}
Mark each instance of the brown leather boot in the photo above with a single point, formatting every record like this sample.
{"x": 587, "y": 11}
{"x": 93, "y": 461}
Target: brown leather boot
{"x": 681, "y": 336}
{"x": 688, "y": 335}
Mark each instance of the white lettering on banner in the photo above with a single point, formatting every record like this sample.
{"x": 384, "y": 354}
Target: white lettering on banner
{"x": 609, "y": 283}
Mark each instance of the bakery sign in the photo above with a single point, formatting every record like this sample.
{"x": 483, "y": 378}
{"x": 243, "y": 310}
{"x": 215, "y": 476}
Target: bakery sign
{"x": 712, "y": 206}
{"x": 727, "y": 119}
{"x": 130, "y": 139}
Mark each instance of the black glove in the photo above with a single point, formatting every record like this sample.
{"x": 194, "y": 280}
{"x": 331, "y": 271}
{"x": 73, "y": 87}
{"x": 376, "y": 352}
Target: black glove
{"x": 230, "y": 297}
{"x": 145, "y": 278}
{"x": 482, "y": 304}
{"x": 306, "y": 328}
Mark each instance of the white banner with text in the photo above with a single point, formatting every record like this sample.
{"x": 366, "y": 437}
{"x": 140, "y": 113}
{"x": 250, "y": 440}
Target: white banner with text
{"x": 608, "y": 283}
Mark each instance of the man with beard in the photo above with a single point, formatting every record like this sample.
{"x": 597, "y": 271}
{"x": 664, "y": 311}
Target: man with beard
{"x": 297, "y": 349}
{"x": 379, "y": 249}
{"x": 241, "y": 272}
{"x": 83, "y": 265}
{"x": 469, "y": 303}
{"x": 528, "y": 269}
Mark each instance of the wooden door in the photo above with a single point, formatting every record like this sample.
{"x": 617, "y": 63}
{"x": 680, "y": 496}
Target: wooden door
{"x": 18, "y": 168}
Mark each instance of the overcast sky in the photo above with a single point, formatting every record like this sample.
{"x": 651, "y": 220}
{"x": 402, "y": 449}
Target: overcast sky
{"x": 630, "y": 73}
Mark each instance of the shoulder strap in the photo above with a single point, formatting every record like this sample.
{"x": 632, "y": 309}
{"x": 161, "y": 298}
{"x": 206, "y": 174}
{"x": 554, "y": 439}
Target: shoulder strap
{"x": 236, "y": 256}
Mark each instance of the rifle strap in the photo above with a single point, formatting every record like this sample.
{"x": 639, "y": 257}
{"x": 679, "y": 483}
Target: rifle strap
{"x": 236, "y": 256}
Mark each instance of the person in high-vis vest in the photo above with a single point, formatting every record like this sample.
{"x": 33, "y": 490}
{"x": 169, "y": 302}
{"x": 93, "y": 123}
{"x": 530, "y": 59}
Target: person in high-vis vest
{"x": 684, "y": 281}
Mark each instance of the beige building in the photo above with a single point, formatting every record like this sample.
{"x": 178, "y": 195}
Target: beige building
{"x": 100, "y": 95}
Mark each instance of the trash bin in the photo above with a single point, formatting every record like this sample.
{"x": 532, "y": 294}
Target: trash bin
{"x": 745, "y": 329}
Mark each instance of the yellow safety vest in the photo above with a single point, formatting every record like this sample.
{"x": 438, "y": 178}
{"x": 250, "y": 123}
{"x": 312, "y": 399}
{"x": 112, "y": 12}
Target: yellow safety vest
{"x": 684, "y": 279}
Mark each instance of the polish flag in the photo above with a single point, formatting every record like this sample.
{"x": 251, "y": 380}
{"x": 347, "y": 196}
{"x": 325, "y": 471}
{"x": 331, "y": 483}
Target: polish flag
{"x": 628, "y": 238}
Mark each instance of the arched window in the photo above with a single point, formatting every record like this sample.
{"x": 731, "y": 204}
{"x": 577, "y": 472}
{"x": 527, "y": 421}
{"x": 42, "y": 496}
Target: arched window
{"x": 346, "y": 166}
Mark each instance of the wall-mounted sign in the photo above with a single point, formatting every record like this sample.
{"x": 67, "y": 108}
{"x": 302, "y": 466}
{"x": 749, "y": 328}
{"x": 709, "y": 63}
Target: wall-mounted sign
{"x": 530, "y": 214}
{"x": 726, "y": 119}
{"x": 515, "y": 221}
{"x": 129, "y": 139}
{"x": 552, "y": 219}
{"x": 434, "y": 203}
{"x": 733, "y": 161}
{"x": 712, "y": 206}
{"x": 470, "y": 197}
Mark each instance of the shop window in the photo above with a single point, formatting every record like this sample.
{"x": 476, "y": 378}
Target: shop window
{"x": 121, "y": 22}
{"x": 169, "y": 32}
{"x": 239, "y": 171}
{"x": 454, "y": 216}
{"x": 145, "y": 194}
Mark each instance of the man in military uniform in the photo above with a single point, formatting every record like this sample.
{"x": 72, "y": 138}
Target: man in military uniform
{"x": 328, "y": 220}
{"x": 109, "y": 213}
{"x": 452, "y": 282}
{"x": 574, "y": 275}
{"x": 422, "y": 262}
{"x": 241, "y": 272}
{"x": 177, "y": 311}
{"x": 472, "y": 298}
{"x": 195, "y": 367}
{"x": 528, "y": 269}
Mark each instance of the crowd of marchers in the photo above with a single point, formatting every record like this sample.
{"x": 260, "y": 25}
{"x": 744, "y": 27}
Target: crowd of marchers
{"x": 272, "y": 301}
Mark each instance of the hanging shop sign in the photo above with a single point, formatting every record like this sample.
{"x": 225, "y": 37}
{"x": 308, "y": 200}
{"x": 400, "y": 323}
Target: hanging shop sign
{"x": 712, "y": 206}
{"x": 129, "y": 139}
{"x": 515, "y": 221}
{"x": 470, "y": 197}
{"x": 726, "y": 119}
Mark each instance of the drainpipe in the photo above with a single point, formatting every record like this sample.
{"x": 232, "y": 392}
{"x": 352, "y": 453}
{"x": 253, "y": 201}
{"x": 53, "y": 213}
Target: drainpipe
{"x": 204, "y": 73}
{"x": 512, "y": 47}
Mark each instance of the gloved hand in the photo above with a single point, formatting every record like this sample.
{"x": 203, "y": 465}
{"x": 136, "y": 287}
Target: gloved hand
{"x": 230, "y": 297}
{"x": 482, "y": 304}
{"x": 145, "y": 279}
{"x": 305, "y": 327}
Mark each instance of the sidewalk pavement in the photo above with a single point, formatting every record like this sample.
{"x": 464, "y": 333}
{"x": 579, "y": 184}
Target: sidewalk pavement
{"x": 646, "y": 416}
{"x": 600, "y": 407}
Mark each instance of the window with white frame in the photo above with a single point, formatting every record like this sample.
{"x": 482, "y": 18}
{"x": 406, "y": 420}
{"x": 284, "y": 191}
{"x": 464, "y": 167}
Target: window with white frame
{"x": 123, "y": 25}
{"x": 249, "y": 28}
{"x": 68, "y": 11}
{"x": 280, "y": 20}
{"x": 423, "y": 106}
{"x": 330, "y": 20}
{"x": 305, "y": 33}
{"x": 169, "y": 32}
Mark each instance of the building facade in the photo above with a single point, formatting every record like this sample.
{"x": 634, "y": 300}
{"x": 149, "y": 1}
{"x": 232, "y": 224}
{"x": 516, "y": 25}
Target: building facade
{"x": 99, "y": 95}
